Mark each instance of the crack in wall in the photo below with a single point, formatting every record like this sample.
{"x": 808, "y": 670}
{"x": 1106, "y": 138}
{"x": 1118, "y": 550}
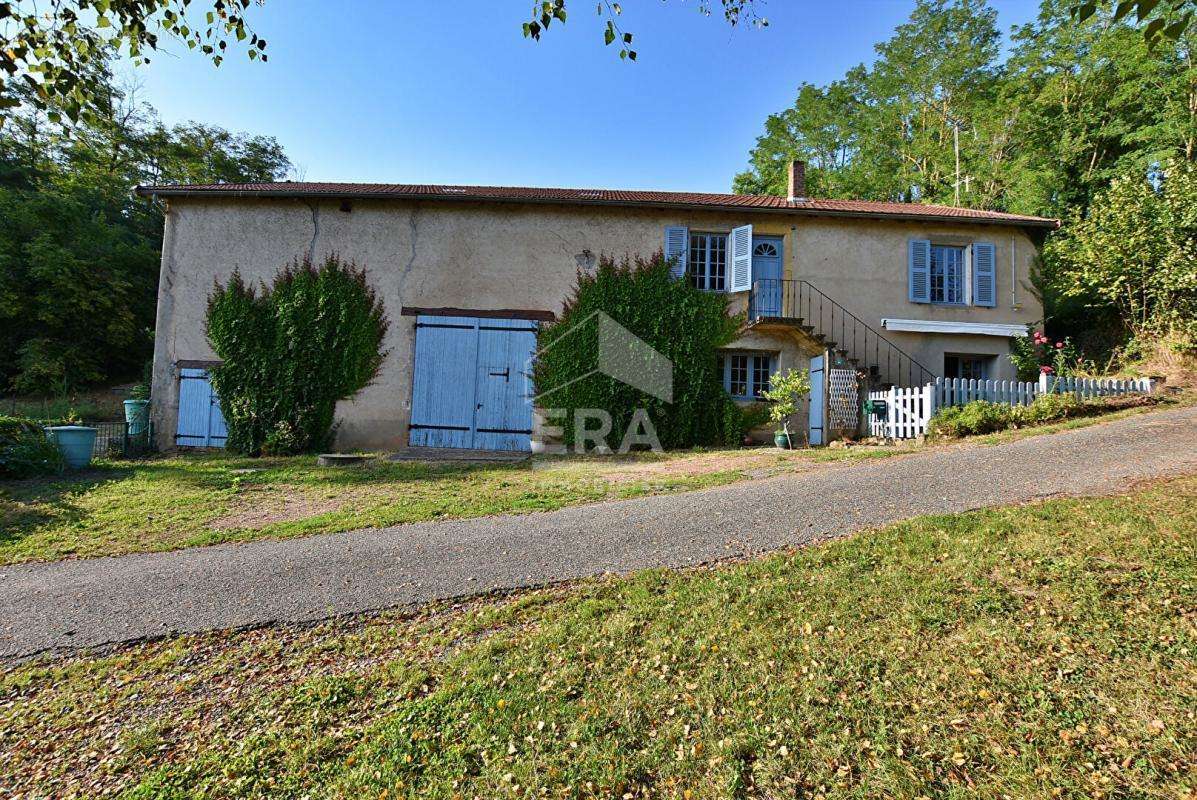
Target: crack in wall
{"x": 413, "y": 223}
{"x": 315, "y": 209}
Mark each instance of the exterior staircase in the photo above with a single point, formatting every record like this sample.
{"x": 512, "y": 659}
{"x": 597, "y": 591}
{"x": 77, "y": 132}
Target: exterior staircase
{"x": 797, "y": 304}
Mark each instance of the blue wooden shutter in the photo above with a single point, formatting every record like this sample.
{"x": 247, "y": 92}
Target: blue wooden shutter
{"x": 984, "y": 274}
{"x": 677, "y": 245}
{"x": 739, "y": 248}
{"x": 918, "y": 260}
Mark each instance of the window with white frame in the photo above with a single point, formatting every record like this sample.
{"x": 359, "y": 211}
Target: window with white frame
{"x": 947, "y": 274}
{"x": 707, "y": 262}
{"x": 746, "y": 375}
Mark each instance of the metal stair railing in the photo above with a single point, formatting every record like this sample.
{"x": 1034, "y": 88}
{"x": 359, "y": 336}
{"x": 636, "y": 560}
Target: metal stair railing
{"x": 800, "y": 303}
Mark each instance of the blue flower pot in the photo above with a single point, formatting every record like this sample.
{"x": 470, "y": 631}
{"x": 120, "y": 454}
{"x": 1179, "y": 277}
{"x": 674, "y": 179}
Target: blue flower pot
{"x": 781, "y": 440}
{"x": 75, "y": 442}
{"x": 137, "y": 413}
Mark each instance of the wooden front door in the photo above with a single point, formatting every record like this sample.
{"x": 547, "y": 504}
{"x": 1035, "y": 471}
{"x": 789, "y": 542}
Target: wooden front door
{"x": 766, "y": 276}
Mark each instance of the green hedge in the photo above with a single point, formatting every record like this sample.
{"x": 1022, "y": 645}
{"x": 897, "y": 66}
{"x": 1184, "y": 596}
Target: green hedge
{"x": 682, "y": 323}
{"x": 291, "y": 351}
{"x": 980, "y": 416}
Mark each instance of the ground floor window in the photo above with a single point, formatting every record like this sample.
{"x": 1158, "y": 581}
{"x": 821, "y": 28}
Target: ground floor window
{"x": 746, "y": 375}
{"x": 967, "y": 367}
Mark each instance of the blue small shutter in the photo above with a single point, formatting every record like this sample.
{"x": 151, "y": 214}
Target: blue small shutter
{"x": 739, "y": 248}
{"x": 677, "y": 245}
{"x": 918, "y": 260}
{"x": 984, "y": 274}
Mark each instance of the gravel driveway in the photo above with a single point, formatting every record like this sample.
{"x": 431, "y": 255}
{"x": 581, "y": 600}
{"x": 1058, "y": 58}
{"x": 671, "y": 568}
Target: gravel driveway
{"x": 72, "y": 604}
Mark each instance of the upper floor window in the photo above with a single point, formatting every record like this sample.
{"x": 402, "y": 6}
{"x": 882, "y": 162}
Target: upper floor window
{"x": 707, "y": 263}
{"x": 940, "y": 273}
{"x": 947, "y": 274}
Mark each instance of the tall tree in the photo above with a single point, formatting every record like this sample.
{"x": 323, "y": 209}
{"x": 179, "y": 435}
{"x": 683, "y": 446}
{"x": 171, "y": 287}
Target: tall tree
{"x": 79, "y": 255}
{"x": 939, "y": 117}
{"x": 917, "y": 125}
{"x": 1090, "y": 102}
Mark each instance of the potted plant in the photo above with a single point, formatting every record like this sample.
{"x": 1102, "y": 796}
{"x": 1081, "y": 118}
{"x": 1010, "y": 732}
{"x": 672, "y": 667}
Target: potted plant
{"x": 75, "y": 441}
{"x": 137, "y": 408}
{"x": 785, "y": 391}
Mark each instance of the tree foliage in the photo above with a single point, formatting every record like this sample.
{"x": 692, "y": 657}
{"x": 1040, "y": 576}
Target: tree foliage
{"x": 291, "y": 351}
{"x": 78, "y": 254}
{"x": 785, "y": 393}
{"x": 1135, "y": 249}
{"x": 1037, "y": 129}
{"x": 547, "y": 12}
{"x": 52, "y": 51}
{"x": 684, "y": 324}
{"x": 1163, "y": 20}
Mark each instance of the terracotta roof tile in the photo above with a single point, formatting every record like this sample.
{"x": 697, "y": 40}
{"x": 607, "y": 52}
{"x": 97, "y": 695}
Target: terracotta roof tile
{"x": 689, "y": 200}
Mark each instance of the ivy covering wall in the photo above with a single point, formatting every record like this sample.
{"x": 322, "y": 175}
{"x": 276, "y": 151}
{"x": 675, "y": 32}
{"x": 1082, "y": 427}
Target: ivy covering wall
{"x": 684, "y": 324}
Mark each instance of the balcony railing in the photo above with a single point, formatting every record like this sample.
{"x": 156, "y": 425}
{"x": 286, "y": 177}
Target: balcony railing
{"x": 801, "y": 304}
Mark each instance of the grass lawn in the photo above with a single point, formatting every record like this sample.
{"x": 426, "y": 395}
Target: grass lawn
{"x": 161, "y": 504}
{"x": 1037, "y": 651}
{"x": 187, "y": 501}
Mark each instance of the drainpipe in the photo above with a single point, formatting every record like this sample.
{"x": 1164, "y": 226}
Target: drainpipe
{"x": 1013, "y": 272}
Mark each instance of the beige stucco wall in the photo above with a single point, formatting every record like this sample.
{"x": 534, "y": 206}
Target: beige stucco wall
{"x": 497, "y": 256}
{"x": 862, "y": 263}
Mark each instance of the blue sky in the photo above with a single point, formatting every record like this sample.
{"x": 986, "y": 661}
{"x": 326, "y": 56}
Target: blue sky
{"x": 391, "y": 92}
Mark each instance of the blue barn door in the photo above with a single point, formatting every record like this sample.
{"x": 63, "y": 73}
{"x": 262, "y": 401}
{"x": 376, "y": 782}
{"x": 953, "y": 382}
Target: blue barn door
{"x": 818, "y": 395}
{"x": 469, "y": 389}
{"x": 442, "y": 401}
{"x": 502, "y": 408}
{"x": 200, "y": 422}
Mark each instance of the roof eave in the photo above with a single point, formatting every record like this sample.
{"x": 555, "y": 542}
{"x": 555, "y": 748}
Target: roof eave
{"x": 239, "y": 194}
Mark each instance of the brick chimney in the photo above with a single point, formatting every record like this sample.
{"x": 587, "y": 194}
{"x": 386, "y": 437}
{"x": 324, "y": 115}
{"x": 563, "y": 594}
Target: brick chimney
{"x": 797, "y": 180}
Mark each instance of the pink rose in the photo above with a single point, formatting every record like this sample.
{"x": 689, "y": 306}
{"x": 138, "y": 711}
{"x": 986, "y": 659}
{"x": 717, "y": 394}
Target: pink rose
{"x": 1059, "y": 345}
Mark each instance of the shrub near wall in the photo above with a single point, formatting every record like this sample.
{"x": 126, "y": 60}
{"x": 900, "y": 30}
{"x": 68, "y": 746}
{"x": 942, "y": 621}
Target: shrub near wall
{"x": 291, "y": 351}
{"x": 25, "y": 451}
{"x": 682, "y": 323}
{"x": 981, "y": 416}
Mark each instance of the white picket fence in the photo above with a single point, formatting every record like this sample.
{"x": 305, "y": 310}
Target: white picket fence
{"x": 908, "y": 410}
